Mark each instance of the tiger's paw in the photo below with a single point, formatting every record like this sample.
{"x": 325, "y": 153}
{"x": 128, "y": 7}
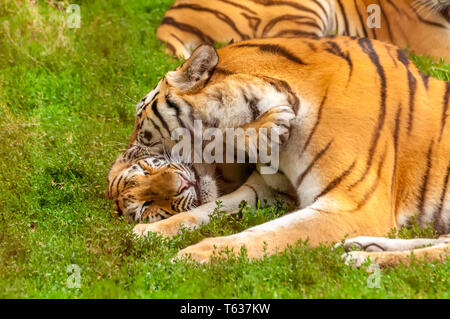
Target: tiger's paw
{"x": 365, "y": 243}
{"x": 355, "y": 258}
{"x": 200, "y": 252}
{"x": 205, "y": 250}
{"x": 277, "y": 120}
{"x": 142, "y": 230}
{"x": 255, "y": 244}
{"x": 167, "y": 227}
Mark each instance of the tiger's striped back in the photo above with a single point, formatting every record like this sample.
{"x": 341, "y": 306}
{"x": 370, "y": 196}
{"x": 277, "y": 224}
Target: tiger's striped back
{"x": 423, "y": 26}
{"x": 372, "y": 135}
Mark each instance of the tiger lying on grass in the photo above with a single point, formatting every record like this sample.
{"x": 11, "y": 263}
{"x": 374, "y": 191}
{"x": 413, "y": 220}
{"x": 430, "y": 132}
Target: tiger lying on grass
{"x": 420, "y": 25}
{"x": 369, "y": 146}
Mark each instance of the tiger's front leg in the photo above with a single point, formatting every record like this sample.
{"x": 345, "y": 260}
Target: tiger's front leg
{"x": 253, "y": 190}
{"x": 311, "y": 223}
{"x": 276, "y": 121}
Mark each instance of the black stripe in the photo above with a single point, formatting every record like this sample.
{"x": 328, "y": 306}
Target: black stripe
{"x": 373, "y": 244}
{"x": 187, "y": 28}
{"x": 438, "y": 220}
{"x": 273, "y": 49}
{"x": 167, "y": 212}
{"x": 424, "y": 186}
{"x": 156, "y": 127}
{"x": 287, "y": 3}
{"x": 256, "y": 193}
{"x": 394, "y": 6}
{"x": 344, "y": 15}
{"x": 336, "y": 50}
{"x": 368, "y": 49}
{"x": 363, "y": 24}
{"x": 425, "y": 79}
{"x": 368, "y": 195}
{"x": 387, "y": 22}
{"x": 412, "y": 83}
{"x": 311, "y": 46}
{"x": 240, "y": 6}
{"x": 337, "y": 21}
{"x": 445, "y": 109}
{"x": 219, "y": 15}
{"x": 171, "y": 48}
{"x": 425, "y": 21}
{"x": 182, "y": 202}
{"x": 177, "y": 38}
{"x": 319, "y": 117}
{"x": 253, "y": 23}
{"x": 294, "y": 34}
{"x": 388, "y": 49}
{"x": 323, "y": 10}
{"x": 175, "y": 106}
{"x": 283, "y": 86}
{"x": 292, "y": 18}
{"x": 396, "y": 137}
{"x": 111, "y": 186}
{"x": 158, "y": 115}
{"x": 253, "y": 106}
{"x": 335, "y": 182}
{"x": 310, "y": 166}
{"x": 223, "y": 71}
{"x": 118, "y": 183}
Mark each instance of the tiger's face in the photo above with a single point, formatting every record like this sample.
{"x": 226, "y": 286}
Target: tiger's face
{"x": 146, "y": 185}
{"x": 440, "y": 6}
{"x": 445, "y": 10}
{"x": 152, "y": 188}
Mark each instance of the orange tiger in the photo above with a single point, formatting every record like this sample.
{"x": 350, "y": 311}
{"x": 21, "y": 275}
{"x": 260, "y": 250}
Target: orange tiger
{"x": 420, "y": 25}
{"x": 368, "y": 144}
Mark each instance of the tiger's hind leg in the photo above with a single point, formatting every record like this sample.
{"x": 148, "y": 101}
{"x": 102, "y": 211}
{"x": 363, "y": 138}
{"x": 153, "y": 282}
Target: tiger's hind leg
{"x": 391, "y": 252}
{"x": 381, "y": 244}
{"x": 179, "y": 43}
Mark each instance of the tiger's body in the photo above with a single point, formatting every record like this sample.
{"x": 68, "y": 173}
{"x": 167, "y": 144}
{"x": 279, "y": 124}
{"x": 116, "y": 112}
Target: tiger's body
{"x": 421, "y": 25}
{"x": 368, "y": 149}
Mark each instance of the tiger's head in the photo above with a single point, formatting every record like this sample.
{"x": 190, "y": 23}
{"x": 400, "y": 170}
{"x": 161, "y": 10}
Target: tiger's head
{"x": 156, "y": 187}
{"x": 143, "y": 182}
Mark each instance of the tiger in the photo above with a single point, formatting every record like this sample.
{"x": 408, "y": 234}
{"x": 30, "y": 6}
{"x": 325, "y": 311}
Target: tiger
{"x": 148, "y": 186}
{"x": 368, "y": 146}
{"x": 422, "y": 26}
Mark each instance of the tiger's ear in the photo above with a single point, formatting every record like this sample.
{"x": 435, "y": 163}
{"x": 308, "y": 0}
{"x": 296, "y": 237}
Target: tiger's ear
{"x": 196, "y": 71}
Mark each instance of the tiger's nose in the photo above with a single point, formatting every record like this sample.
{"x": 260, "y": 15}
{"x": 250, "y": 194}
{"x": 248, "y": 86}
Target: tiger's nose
{"x": 183, "y": 184}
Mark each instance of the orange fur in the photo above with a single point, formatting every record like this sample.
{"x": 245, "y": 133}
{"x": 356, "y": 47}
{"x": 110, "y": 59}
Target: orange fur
{"x": 405, "y": 23}
{"x": 373, "y": 134}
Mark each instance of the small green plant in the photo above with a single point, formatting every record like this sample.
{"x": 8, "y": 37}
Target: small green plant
{"x": 414, "y": 230}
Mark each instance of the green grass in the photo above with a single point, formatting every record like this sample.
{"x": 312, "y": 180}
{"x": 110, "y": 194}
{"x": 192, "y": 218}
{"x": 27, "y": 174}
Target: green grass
{"x": 67, "y": 100}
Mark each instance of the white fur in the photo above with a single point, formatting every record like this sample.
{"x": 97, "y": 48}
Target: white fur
{"x": 286, "y": 221}
{"x": 378, "y": 244}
